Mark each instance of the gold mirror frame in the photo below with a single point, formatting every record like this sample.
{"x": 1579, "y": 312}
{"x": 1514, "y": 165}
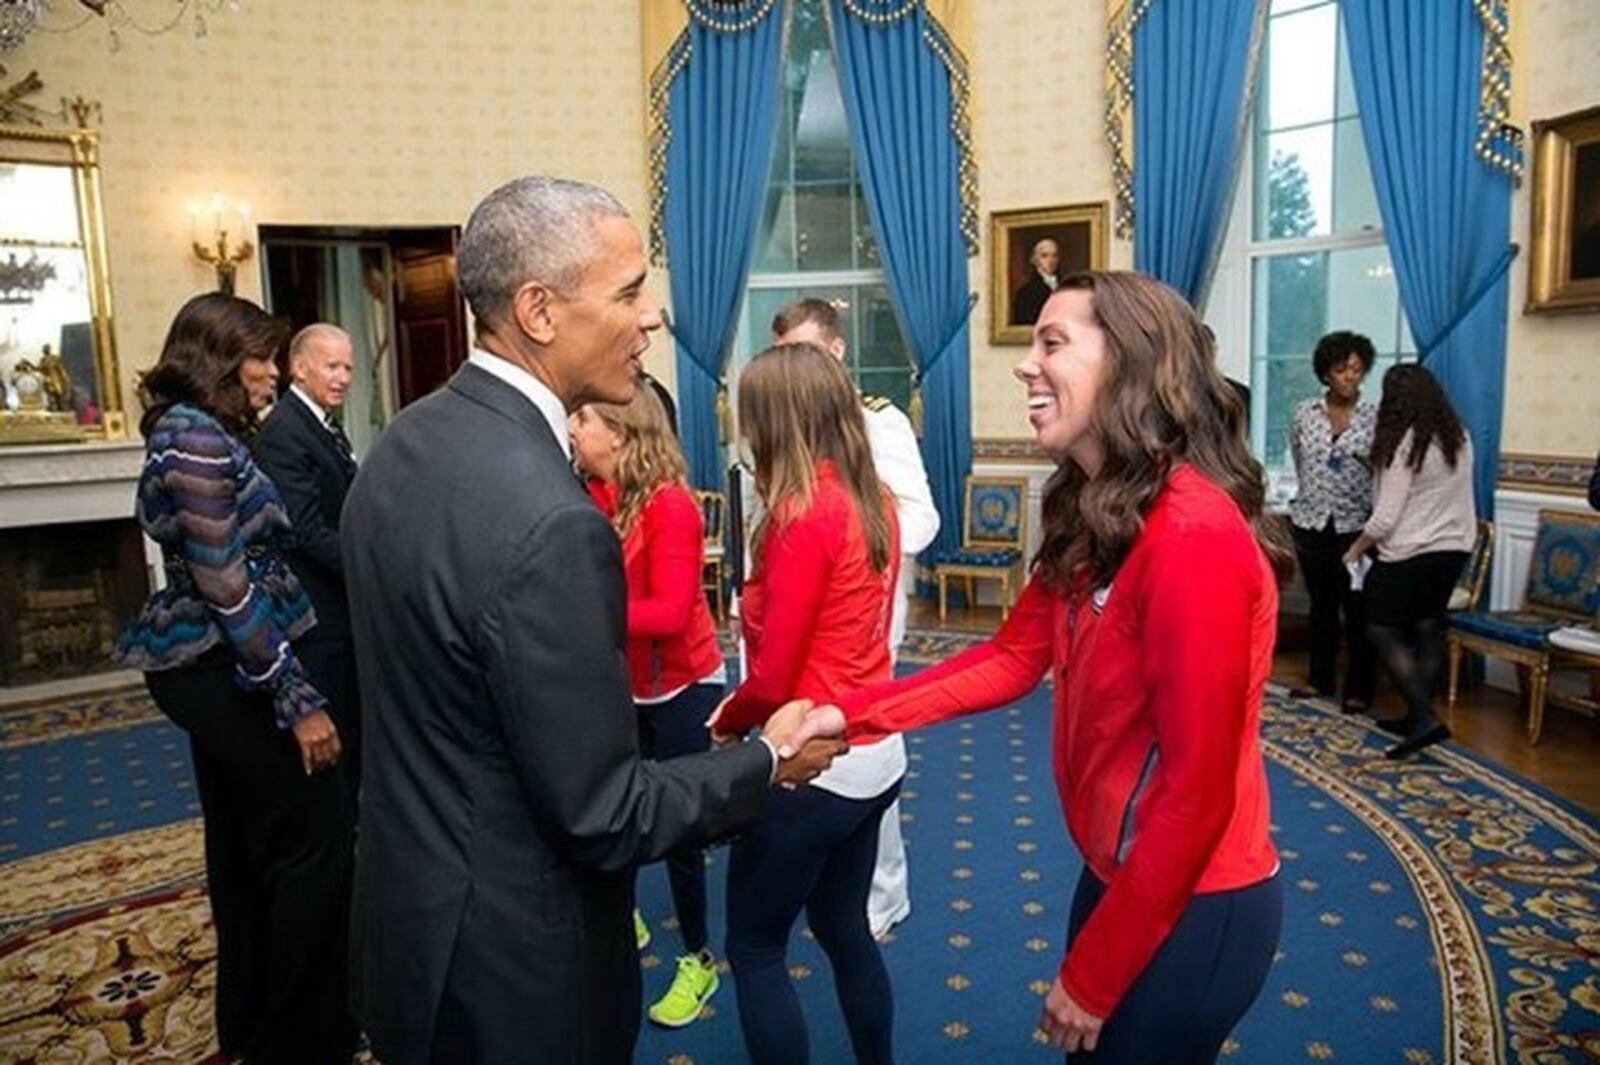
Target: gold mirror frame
{"x": 1556, "y": 143}
{"x": 78, "y": 149}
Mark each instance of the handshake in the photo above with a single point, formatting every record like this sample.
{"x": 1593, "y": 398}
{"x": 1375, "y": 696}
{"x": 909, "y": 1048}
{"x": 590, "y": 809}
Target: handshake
{"x": 805, "y": 738}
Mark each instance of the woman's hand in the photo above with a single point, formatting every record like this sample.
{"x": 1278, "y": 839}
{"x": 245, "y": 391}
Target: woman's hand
{"x": 318, "y": 740}
{"x": 1358, "y": 547}
{"x": 720, "y": 739}
{"x": 1067, "y": 1025}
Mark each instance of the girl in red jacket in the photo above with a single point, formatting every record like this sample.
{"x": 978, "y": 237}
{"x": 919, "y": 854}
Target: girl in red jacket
{"x": 1153, "y": 605}
{"x": 638, "y": 478}
{"x": 816, "y": 612}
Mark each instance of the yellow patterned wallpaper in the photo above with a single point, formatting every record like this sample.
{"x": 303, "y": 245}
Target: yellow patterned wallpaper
{"x": 1037, "y": 71}
{"x": 1552, "y": 363}
{"x": 403, "y": 112}
{"x": 406, "y": 112}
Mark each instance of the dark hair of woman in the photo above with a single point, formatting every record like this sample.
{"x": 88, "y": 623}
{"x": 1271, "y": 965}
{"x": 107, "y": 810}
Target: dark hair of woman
{"x": 212, "y": 335}
{"x": 1162, "y": 402}
{"x": 1412, "y": 399}
{"x": 1333, "y": 349}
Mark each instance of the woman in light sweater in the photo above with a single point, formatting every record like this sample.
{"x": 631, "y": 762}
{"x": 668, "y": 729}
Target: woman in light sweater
{"x": 1423, "y": 525}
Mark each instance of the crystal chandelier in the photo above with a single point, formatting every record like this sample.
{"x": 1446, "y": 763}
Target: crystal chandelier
{"x": 20, "y": 18}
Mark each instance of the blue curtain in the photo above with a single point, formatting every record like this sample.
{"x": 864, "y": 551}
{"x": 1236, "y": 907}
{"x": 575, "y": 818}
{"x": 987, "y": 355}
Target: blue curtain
{"x": 1193, "y": 62}
{"x": 1447, "y": 214}
{"x": 723, "y": 108}
{"x": 897, "y": 97}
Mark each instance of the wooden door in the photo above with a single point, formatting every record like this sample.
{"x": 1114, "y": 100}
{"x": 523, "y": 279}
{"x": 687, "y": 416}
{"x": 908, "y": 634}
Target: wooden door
{"x": 430, "y": 318}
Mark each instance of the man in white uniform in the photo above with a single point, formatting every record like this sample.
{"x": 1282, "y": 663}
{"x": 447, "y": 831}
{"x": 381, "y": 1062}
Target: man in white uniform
{"x": 899, "y": 464}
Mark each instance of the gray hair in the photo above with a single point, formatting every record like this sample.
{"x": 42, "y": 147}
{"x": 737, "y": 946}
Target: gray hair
{"x": 312, "y": 336}
{"x": 531, "y": 229}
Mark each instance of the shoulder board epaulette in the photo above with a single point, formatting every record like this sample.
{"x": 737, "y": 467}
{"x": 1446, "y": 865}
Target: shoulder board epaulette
{"x": 876, "y": 404}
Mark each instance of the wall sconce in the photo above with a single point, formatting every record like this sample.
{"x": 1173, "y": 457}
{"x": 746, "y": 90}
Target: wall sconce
{"x": 221, "y": 254}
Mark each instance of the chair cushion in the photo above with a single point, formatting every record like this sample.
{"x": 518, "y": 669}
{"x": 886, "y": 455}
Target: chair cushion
{"x": 1566, "y": 560}
{"x": 976, "y": 556}
{"x": 1512, "y": 627}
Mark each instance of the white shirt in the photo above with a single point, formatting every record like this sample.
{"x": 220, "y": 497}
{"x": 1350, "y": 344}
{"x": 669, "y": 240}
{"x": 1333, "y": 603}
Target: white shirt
{"x": 537, "y": 391}
{"x": 316, "y": 408}
{"x": 898, "y": 460}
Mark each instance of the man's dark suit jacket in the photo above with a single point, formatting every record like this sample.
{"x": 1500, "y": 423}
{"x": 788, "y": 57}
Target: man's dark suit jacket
{"x": 313, "y": 476}
{"x": 1029, "y": 299}
{"x": 505, "y": 804}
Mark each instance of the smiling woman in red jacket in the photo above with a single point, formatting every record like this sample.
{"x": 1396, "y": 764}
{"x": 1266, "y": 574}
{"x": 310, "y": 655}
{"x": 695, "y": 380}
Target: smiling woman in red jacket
{"x": 637, "y": 476}
{"x": 1153, "y": 606}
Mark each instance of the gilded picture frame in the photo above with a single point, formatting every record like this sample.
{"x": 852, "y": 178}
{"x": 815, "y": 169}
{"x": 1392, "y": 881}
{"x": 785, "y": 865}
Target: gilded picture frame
{"x": 1564, "y": 244}
{"x": 1018, "y": 253}
{"x": 58, "y": 355}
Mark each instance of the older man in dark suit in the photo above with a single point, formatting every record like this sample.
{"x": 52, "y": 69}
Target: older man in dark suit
{"x": 302, "y": 447}
{"x": 505, "y": 804}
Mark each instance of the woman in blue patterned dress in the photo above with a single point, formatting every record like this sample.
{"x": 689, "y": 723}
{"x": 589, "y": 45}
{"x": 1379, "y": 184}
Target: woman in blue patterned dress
{"x": 216, "y": 648}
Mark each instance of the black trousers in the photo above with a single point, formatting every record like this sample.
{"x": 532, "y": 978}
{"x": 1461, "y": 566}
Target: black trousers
{"x": 331, "y": 664}
{"x": 1200, "y": 983}
{"x": 670, "y": 730}
{"x": 1406, "y": 604}
{"x": 1321, "y": 556}
{"x": 278, "y": 864}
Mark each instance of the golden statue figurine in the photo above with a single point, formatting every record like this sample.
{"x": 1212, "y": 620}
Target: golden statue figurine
{"x": 57, "y": 381}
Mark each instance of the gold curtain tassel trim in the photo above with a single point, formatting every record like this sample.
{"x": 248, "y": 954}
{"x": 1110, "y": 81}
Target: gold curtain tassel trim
{"x": 1498, "y": 144}
{"x": 1120, "y": 24}
{"x": 955, "y": 63}
{"x": 660, "y": 119}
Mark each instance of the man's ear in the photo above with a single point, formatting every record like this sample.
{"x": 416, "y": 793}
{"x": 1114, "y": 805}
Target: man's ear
{"x": 531, "y": 310}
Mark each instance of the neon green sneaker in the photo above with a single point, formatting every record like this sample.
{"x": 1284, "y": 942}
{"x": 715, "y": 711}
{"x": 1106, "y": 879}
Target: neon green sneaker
{"x": 641, "y": 931}
{"x": 695, "y": 983}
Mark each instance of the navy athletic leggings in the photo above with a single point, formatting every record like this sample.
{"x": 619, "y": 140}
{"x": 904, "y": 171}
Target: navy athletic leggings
{"x": 1201, "y": 981}
{"x": 670, "y": 730}
{"x": 812, "y": 850}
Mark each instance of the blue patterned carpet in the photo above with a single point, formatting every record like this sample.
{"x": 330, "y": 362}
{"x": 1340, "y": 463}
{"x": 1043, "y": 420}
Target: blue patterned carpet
{"x": 1442, "y": 911}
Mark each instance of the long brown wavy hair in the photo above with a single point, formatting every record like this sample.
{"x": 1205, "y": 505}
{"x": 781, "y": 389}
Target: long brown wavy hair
{"x": 210, "y": 338}
{"x": 650, "y": 456}
{"x": 1162, "y": 402}
{"x": 798, "y": 407}
{"x": 1412, "y": 399}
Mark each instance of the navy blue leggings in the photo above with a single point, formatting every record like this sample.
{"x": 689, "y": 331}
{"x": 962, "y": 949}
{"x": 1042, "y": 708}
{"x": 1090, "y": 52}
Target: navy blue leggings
{"x": 670, "y": 730}
{"x": 812, "y": 850}
{"x": 1201, "y": 981}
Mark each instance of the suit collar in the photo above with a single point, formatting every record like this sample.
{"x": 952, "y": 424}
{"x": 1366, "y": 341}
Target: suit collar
{"x": 531, "y": 388}
{"x": 292, "y": 407}
{"x": 490, "y": 390}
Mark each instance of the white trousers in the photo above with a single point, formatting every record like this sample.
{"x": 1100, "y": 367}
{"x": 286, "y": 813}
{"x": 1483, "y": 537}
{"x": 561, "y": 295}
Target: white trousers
{"x": 890, "y": 900}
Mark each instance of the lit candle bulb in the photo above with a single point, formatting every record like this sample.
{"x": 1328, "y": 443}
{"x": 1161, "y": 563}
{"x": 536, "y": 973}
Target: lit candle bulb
{"x": 216, "y": 211}
{"x": 193, "y": 210}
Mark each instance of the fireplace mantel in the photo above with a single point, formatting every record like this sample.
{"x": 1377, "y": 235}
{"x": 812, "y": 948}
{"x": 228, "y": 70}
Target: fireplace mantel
{"x": 50, "y": 484}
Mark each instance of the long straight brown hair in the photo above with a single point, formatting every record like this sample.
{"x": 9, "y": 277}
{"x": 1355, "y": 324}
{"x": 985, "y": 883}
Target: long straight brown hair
{"x": 1162, "y": 402}
{"x": 798, "y": 407}
{"x": 650, "y": 456}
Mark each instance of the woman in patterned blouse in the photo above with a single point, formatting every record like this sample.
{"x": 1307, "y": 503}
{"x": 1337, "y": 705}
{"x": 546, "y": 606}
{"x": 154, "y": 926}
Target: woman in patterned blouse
{"x": 1331, "y": 438}
{"x": 215, "y": 647}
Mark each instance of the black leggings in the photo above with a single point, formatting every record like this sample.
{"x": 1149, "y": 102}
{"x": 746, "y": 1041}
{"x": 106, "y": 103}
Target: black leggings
{"x": 1202, "y": 980}
{"x": 1406, "y": 603}
{"x": 812, "y": 850}
{"x": 669, "y": 730}
{"x": 279, "y": 851}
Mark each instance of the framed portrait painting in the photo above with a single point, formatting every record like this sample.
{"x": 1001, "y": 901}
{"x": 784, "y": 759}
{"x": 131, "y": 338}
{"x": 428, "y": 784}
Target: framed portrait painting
{"x": 1564, "y": 259}
{"x": 1029, "y": 251}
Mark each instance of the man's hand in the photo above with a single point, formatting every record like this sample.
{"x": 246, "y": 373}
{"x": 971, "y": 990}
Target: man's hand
{"x": 1067, "y": 1025}
{"x": 805, "y": 764}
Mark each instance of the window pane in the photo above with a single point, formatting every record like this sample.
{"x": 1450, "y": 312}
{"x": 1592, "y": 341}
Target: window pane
{"x": 878, "y": 345}
{"x": 823, "y": 226}
{"x": 875, "y": 353}
{"x": 775, "y": 246}
{"x": 1344, "y": 89}
{"x": 1294, "y": 183}
{"x": 1283, "y": 7}
{"x": 1300, "y": 67}
{"x": 1355, "y": 201}
{"x": 1295, "y": 300}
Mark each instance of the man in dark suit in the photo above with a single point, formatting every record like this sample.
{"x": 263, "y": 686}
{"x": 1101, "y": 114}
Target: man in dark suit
{"x": 1044, "y": 259}
{"x": 302, "y": 447}
{"x": 505, "y": 804}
